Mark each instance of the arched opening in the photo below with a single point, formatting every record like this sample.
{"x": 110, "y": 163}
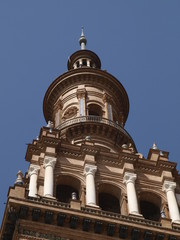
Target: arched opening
{"x": 150, "y": 210}
{"x": 109, "y": 203}
{"x": 64, "y": 193}
{"x": 65, "y": 187}
{"x": 84, "y": 62}
{"x": 108, "y": 198}
{"x": 150, "y": 206}
{"x": 95, "y": 110}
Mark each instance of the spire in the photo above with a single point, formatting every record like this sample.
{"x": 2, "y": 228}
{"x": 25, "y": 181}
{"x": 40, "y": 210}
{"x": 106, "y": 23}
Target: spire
{"x": 82, "y": 40}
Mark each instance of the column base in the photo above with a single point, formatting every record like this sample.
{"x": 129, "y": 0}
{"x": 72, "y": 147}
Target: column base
{"x": 49, "y": 196}
{"x": 136, "y": 214}
{"x": 92, "y": 205}
{"x": 176, "y": 222}
{"x": 33, "y": 195}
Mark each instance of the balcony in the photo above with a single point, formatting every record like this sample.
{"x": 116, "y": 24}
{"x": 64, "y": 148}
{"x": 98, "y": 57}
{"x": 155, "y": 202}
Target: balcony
{"x": 105, "y": 124}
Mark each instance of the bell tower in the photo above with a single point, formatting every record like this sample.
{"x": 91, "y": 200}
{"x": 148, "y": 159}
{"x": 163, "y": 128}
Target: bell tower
{"x": 86, "y": 179}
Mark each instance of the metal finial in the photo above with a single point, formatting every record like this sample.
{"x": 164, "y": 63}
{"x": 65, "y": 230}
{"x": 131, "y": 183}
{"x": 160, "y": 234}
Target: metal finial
{"x": 82, "y": 40}
{"x": 163, "y": 215}
{"x": 19, "y": 179}
{"x": 82, "y": 31}
{"x": 74, "y": 196}
{"x": 154, "y": 146}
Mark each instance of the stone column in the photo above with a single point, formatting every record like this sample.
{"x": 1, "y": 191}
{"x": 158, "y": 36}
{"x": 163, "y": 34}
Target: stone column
{"x": 169, "y": 187}
{"x": 88, "y": 63}
{"x": 83, "y": 198}
{"x": 33, "y": 174}
{"x": 129, "y": 180}
{"x": 49, "y": 163}
{"x": 89, "y": 171}
{"x": 58, "y": 112}
{"x": 123, "y": 205}
{"x": 108, "y": 106}
{"x": 81, "y": 96}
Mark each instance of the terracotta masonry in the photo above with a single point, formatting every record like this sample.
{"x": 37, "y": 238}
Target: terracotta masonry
{"x": 86, "y": 178}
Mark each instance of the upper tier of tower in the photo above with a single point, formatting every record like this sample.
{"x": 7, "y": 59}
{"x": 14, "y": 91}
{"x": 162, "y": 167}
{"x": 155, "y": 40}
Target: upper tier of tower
{"x": 83, "y": 58}
{"x": 87, "y": 96}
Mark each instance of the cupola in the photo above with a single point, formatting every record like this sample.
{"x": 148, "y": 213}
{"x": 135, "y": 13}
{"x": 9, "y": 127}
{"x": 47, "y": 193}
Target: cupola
{"x": 83, "y": 58}
{"x": 87, "y": 101}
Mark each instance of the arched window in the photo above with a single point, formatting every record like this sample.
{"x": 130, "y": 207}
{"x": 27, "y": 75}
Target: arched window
{"x": 64, "y": 193}
{"x": 150, "y": 210}
{"x": 65, "y": 186}
{"x": 84, "y": 62}
{"x": 150, "y": 206}
{"x": 109, "y": 203}
{"x": 108, "y": 198}
{"x": 95, "y": 110}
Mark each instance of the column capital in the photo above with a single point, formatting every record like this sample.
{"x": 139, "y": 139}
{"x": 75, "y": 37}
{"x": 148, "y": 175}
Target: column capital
{"x": 81, "y": 93}
{"x": 49, "y": 161}
{"x": 106, "y": 98}
{"x": 33, "y": 169}
{"x": 90, "y": 169}
{"x": 168, "y": 186}
{"x": 58, "y": 105}
{"x": 129, "y": 177}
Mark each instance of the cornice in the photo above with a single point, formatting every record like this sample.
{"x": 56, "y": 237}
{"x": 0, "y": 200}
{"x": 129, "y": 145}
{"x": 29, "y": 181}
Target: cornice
{"x": 71, "y": 154}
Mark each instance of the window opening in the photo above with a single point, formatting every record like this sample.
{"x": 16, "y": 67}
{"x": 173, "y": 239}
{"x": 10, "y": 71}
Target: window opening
{"x": 64, "y": 193}
{"x": 109, "y": 203}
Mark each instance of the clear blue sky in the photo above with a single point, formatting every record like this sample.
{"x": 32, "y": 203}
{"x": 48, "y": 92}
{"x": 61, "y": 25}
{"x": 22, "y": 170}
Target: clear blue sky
{"x": 137, "y": 41}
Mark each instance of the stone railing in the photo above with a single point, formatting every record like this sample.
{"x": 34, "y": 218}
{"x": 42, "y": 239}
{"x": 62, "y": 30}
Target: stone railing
{"x": 98, "y": 212}
{"x": 95, "y": 119}
{"x": 49, "y": 202}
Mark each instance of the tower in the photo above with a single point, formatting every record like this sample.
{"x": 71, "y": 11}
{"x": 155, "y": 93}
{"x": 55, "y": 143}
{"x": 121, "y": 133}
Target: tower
{"x": 86, "y": 179}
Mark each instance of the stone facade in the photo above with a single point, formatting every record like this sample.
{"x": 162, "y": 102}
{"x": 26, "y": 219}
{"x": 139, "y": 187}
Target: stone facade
{"x": 86, "y": 179}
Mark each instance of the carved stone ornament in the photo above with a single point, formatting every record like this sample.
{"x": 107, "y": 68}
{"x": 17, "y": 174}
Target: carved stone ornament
{"x": 129, "y": 177}
{"x": 90, "y": 169}
{"x": 168, "y": 186}
{"x": 33, "y": 169}
{"x": 106, "y": 98}
{"x": 70, "y": 112}
{"x": 49, "y": 161}
{"x": 81, "y": 93}
{"x": 58, "y": 105}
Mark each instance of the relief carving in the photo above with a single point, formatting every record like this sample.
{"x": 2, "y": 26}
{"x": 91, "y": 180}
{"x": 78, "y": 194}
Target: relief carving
{"x": 70, "y": 112}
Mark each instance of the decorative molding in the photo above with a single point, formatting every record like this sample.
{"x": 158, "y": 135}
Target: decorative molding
{"x": 33, "y": 169}
{"x": 90, "y": 169}
{"x": 89, "y": 150}
{"x": 35, "y": 234}
{"x": 168, "y": 186}
{"x": 128, "y": 158}
{"x": 70, "y": 112}
{"x": 149, "y": 169}
{"x": 72, "y": 154}
{"x": 107, "y": 98}
{"x": 49, "y": 161}
{"x": 115, "y": 162}
{"x": 129, "y": 177}
{"x": 51, "y": 142}
{"x": 81, "y": 93}
{"x": 58, "y": 105}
